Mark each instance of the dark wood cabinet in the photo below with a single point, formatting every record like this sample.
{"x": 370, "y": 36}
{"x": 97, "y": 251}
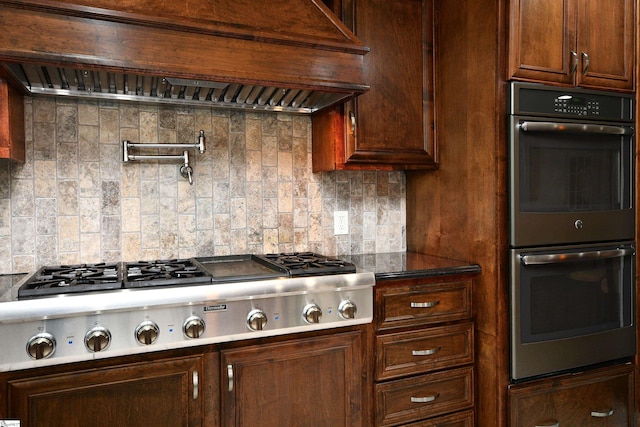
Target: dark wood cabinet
{"x": 165, "y": 392}
{"x": 320, "y": 381}
{"x": 424, "y": 363}
{"x": 392, "y": 125}
{"x": 586, "y": 43}
{"x": 597, "y": 398}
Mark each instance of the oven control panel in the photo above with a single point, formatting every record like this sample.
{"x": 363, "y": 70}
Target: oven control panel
{"x": 577, "y": 106}
{"x": 531, "y": 99}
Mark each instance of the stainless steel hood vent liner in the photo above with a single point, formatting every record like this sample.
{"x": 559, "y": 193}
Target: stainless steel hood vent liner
{"x": 292, "y": 55}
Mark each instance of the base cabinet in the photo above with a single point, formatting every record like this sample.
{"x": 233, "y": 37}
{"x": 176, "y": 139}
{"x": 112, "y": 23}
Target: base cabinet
{"x": 598, "y": 398}
{"x": 318, "y": 382}
{"x": 424, "y": 361}
{"x": 161, "y": 393}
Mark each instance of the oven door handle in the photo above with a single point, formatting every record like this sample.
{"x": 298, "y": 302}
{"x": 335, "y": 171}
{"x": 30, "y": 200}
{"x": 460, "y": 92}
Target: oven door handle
{"x": 575, "y": 128}
{"x": 576, "y": 256}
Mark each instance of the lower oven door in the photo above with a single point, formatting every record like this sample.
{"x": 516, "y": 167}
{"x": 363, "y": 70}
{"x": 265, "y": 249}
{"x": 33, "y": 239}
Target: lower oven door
{"x": 571, "y": 306}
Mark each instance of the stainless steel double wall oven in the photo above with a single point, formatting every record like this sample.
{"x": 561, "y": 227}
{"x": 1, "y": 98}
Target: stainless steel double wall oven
{"x": 572, "y": 228}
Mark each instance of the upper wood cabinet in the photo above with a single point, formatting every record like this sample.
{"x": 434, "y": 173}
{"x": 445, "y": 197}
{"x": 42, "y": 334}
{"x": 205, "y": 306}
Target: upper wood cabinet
{"x": 392, "y": 125}
{"x": 587, "y": 43}
{"x": 12, "y": 136}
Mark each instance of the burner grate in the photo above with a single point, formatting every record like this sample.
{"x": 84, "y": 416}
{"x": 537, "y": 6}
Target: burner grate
{"x": 309, "y": 263}
{"x": 163, "y": 273}
{"x": 69, "y": 279}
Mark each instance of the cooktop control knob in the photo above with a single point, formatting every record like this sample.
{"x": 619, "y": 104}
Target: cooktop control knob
{"x": 312, "y": 313}
{"x": 97, "y": 339}
{"x": 147, "y": 332}
{"x": 347, "y": 309}
{"x": 256, "y": 320}
{"x": 193, "y": 327}
{"x": 41, "y": 346}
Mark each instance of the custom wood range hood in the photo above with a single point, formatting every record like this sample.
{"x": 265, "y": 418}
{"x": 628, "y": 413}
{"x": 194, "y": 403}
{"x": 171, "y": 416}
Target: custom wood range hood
{"x": 284, "y": 55}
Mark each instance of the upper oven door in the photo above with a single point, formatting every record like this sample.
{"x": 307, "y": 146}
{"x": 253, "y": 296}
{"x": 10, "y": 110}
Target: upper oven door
{"x": 571, "y": 181}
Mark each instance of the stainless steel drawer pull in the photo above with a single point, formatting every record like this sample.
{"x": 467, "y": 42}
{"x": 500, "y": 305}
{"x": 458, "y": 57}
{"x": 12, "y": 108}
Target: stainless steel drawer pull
{"x": 427, "y": 352}
{"x": 230, "y": 376}
{"x": 550, "y": 423}
{"x": 195, "y": 385}
{"x": 425, "y": 399}
{"x": 428, "y": 304}
{"x": 602, "y": 414}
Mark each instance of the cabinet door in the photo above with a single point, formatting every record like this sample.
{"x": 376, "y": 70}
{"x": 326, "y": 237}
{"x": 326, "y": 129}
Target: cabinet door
{"x": 542, "y": 40}
{"x": 606, "y": 44}
{"x": 391, "y": 125}
{"x": 163, "y": 393}
{"x": 593, "y": 399}
{"x": 317, "y": 382}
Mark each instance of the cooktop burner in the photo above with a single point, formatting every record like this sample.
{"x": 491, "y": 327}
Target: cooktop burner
{"x": 162, "y": 273}
{"x": 68, "y": 279}
{"x": 309, "y": 263}
{"x": 64, "y": 279}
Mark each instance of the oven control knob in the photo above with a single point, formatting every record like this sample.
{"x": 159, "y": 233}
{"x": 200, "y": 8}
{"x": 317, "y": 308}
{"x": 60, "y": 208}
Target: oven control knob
{"x": 256, "y": 320}
{"x": 578, "y": 224}
{"x": 347, "y": 309}
{"x": 193, "y": 327}
{"x": 41, "y": 346}
{"x": 147, "y": 332}
{"x": 97, "y": 339}
{"x": 312, "y": 313}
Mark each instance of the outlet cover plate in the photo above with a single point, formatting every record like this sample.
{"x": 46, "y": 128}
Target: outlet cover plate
{"x": 341, "y": 222}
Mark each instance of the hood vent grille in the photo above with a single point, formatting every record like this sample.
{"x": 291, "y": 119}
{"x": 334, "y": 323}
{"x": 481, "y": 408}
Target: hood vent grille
{"x": 99, "y": 84}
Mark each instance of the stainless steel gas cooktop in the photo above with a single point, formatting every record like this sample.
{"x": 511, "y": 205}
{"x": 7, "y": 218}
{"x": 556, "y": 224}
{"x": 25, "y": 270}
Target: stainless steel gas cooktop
{"x": 88, "y": 311}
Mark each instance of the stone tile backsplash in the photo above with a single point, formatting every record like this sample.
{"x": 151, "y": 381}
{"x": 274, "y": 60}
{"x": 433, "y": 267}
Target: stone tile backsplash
{"x": 75, "y": 201}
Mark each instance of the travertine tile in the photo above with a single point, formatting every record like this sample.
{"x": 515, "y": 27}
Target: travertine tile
{"x": 74, "y": 199}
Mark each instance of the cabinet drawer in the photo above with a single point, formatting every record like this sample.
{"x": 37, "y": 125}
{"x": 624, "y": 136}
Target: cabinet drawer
{"x": 459, "y": 419}
{"x": 423, "y": 351}
{"x": 597, "y": 398}
{"x": 424, "y": 396}
{"x": 422, "y": 304}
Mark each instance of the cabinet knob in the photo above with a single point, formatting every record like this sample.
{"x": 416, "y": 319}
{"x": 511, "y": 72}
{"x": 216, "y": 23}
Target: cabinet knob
{"x": 347, "y": 309}
{"x": 256, "y": 320}
{"x": 193, "y": 327}
{"x": 97, "y": 339}
{"x": 147, "y": 332}
{"x": 312, "y": 313}
{"x": 41, "y": 346}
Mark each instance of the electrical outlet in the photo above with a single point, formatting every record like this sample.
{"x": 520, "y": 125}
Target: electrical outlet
{"x": 341, "y": 222}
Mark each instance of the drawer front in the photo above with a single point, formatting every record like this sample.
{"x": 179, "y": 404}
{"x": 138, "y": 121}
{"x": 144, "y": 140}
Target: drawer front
{"x": 592, "y": 399}
{"x": 422, "y": 351}
{"x": 422, "y": 304}
{"x": 424, "y": 396}
{"x": 459, "y": 419}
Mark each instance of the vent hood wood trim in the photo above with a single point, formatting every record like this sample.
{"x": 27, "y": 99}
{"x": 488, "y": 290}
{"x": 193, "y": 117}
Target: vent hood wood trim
{"x": 250, "y": 45}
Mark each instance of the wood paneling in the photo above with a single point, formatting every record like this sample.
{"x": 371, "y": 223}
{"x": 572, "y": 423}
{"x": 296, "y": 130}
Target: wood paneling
{"x": 460, "y": 211}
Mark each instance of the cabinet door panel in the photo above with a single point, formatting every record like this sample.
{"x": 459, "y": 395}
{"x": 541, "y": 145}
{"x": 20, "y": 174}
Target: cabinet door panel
{"x": 392, "y": 118}
{"x": 605, "y": 40}
{"x": 316, "y": 381}
{"x": 140, "y": 395}
{"x": 542, "y": 38}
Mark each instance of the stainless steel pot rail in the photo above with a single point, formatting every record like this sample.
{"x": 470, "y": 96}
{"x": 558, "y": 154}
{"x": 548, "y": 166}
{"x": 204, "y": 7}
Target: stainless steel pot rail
{"x": 185, "y": 169}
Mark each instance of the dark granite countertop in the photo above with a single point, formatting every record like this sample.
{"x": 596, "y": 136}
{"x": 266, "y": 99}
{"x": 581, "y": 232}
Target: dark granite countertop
{"x": 406, "y": 265}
